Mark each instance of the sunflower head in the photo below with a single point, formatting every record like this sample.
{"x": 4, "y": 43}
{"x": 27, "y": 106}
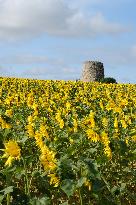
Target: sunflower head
{"x": 12, "y": 151}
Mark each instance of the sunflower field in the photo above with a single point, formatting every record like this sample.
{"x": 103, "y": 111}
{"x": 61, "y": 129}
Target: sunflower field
{"x": 67, "y": 143}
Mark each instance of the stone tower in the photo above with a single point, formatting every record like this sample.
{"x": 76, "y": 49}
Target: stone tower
{"x": 92, "y": 71}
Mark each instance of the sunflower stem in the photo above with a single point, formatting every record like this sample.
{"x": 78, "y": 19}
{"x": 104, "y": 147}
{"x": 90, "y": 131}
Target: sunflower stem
{"x": 8, "y": 184}
{"x": 27, "y": 188}
{"x": 8, "y": 199}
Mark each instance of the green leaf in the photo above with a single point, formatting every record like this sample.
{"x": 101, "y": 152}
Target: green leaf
{"x": 134, "y": 152}
{"x": 123, "y": 147}
{"x": 19, "y": 172}
{"x": 123, "y": 186}
{"x": 41, "y": 201}
{"x": 24, "y": 139}
{"x": 127, "y": 169}
{"x": 81, "y": 181}
{"x": 35, "y": 202}
{"x": 115, "y": 190}
{"x": 106, "y": 201}
{"x": 65, "y": 203}
{"x": 68, "y": 187}
{"x": 132, "y": 133}
{"x": 7, "y": 190}
{"x": 44, "y": 201}
{"x": 106, "y": 183}
{"x": 1, "y": 198}
{"x": 6, "y": 132}
{"x": 98, "y": 185}
{"x": 93, "y": 168}
{"x": 92, "y": 150}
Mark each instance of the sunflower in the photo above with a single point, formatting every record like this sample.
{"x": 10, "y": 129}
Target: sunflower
{"x": 12, "y": 152}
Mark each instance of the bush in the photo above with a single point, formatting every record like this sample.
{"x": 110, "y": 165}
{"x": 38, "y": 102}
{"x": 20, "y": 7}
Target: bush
{"x": 108, "y": 80}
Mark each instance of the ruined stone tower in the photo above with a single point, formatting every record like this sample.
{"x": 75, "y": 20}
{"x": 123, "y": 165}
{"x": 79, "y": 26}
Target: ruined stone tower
{"x": 92, "y": 71}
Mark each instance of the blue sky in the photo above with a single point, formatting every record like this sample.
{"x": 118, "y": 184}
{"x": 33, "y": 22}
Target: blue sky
{"x": 50, "y": 39}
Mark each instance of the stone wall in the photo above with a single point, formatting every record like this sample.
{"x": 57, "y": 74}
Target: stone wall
{"x": 92, "y": 71}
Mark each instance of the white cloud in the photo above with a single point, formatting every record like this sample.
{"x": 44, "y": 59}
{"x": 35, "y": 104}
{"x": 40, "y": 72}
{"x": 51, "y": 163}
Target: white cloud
{"x": 35, "y": 71}
{"x": 26, "y": 19}
{"x": 68, "y": 70}
{"x": 83, "y": 4}
{"x": 50, "y": 73}
{"x": 92, "y": 26}
{"x": 23, "y": 59}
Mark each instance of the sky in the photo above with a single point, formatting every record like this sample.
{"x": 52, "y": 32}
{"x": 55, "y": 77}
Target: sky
{"x": 51, "y": 39}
